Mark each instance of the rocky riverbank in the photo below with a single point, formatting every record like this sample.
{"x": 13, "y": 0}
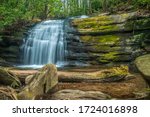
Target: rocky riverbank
{"x": 108, "y": 83}
{"x": 113, "y": 49}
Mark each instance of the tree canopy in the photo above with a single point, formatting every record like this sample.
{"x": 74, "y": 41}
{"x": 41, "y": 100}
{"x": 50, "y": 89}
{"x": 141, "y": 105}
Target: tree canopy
{"x": 14, "y": 10}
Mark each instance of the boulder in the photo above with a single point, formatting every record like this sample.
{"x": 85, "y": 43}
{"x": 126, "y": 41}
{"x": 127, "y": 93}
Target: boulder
{"x": 40, "y": 83}
{"x": 69, "y": 94}
{"x": 143, "y": 65}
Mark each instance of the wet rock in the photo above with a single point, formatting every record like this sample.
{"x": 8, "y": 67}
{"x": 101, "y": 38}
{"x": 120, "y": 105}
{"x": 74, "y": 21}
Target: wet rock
{"x": 143, "y": 65}
{"x": 40, "y": 83}
{"x": 69, "y": 94}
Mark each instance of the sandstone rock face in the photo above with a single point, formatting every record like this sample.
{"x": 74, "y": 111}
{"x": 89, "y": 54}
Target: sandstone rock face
{"x": 143, "y": 65}
{"x": 40, "y": 83}
{"x": 69, "y": 94}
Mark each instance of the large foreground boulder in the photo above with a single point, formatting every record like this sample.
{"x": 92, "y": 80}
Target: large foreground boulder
{"x": 143, "y": 65}
{"x": 40, "y": 83}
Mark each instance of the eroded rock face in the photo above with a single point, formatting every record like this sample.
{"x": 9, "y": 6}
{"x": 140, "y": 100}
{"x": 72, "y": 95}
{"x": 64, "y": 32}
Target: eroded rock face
{"x": 69, "y": 94}
{"x": 40, "y": 83}
{"x": 109, "y": 39}
{"x": 143, "y": 65}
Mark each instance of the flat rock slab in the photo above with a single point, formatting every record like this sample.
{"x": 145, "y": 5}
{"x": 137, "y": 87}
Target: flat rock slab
{"x": 129, "y": 89}
{"x": 70, "y": 94}
{"x": 143, "y": 65}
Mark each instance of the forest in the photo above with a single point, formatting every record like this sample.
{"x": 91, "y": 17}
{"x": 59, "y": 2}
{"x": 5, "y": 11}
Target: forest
{"x": 14, "y": 10}
{"x": 74, "y": 49}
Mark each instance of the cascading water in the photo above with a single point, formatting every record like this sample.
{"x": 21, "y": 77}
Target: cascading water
{"x": 45, "y": 44}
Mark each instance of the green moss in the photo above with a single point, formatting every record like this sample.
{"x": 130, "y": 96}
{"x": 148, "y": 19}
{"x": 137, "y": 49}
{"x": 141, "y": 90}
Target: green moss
{"x": 97, "y": 28}
{"x": 93, "y": 24}
{"x": 115, "y": 71}
{"x": 108, "y": 57}
{"x": 100, "y": 23}
{"x": 125, "y": 15}
{"x": 106, "y": 48}
{"x": 107, "y": 39}
{"x": 92, "y": 19}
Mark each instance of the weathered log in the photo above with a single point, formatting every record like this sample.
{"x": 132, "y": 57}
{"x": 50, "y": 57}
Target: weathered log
{"x": 40, "y": 83}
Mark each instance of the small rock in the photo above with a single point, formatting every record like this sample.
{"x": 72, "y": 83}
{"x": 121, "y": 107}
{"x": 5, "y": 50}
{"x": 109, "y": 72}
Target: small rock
{"x": 69, "y": 94}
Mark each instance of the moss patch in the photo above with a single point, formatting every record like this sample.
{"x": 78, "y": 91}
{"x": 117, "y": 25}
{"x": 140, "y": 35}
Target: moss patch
{"x": 107, "y": 39}
{"x": 115, "y": 71}
{"x": 99, "y": 23}
{"x": 98, "y": 19}
{"x": 110, "y": 56}
{"x": 102, "y": 23}
{"x": 106, "y": 58}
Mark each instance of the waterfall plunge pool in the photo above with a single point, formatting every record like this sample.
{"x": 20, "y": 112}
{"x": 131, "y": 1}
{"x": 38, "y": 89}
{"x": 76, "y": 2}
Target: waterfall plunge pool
{"x": 46, "y": 43}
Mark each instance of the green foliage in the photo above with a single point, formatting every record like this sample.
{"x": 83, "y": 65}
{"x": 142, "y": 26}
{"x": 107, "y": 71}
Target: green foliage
{"x": 142, "y": 3}
{"x": 14, "y": 10}
{"x": 104, "y": 5}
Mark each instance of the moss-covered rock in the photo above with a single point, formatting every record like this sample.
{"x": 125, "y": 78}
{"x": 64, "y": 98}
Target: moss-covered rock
{"x": 143, "y": 65}
{"x": 114, "y": 38}
{"x": 107, "y": 39}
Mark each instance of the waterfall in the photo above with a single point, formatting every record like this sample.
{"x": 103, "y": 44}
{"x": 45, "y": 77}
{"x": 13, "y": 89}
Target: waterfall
{"x": 45, "y": 44}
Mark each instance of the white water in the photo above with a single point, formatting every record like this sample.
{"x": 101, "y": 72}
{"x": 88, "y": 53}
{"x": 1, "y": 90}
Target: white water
{"x": 45, "y": 44}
